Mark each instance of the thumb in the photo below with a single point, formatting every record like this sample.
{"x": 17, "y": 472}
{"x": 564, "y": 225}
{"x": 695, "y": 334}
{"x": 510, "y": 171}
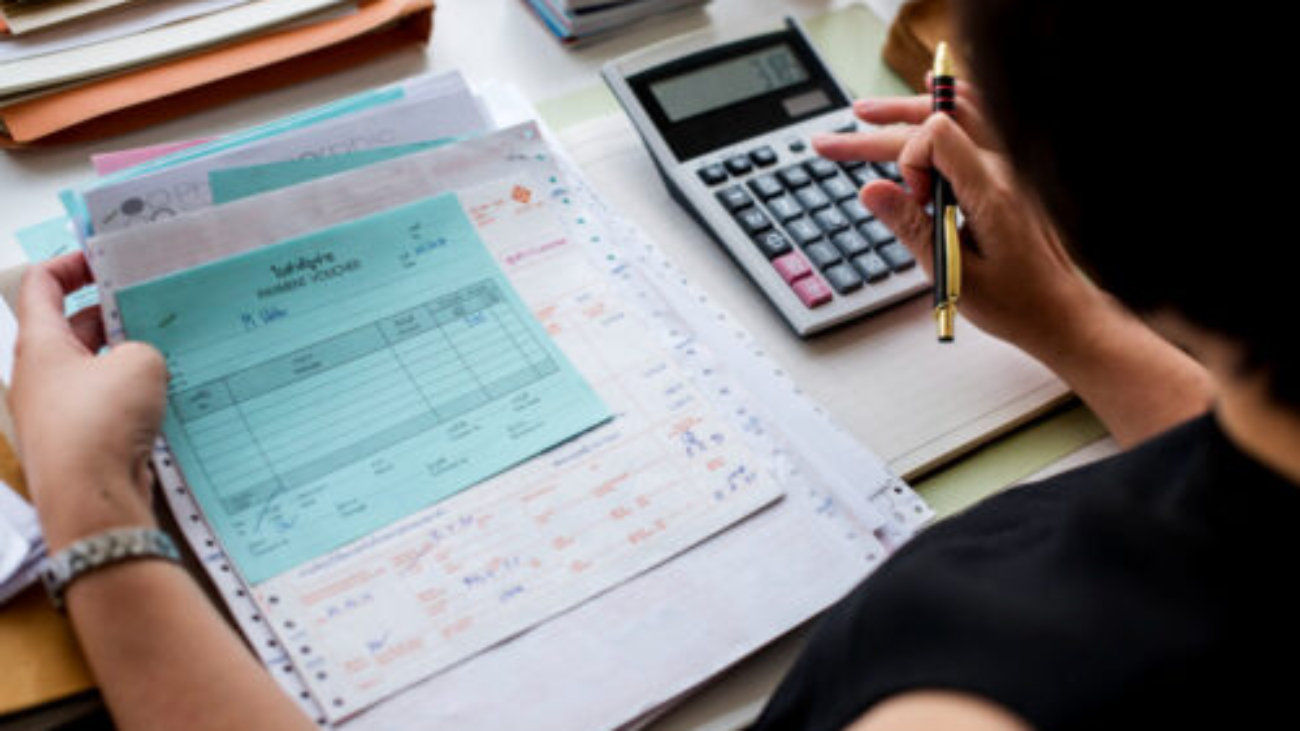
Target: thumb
{"x": 897, "y": 209}
{"x": 137, "y": 359}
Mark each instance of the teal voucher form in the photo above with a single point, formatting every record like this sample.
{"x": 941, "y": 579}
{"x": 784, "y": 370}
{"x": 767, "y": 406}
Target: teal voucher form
{"x": 326, "y": 386}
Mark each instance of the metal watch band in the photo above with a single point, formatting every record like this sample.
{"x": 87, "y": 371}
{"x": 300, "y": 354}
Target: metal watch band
{"x": 104, "y": 549}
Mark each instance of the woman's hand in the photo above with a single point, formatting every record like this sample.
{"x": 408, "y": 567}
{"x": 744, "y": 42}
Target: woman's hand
{"x": 1018, "y": 283}
{"x": 86, "y": 425}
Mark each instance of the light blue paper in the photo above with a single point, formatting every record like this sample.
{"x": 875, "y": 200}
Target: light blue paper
{"x": 231, "y": 184}
{"x": 327, "y": 386}
{"x": 49, "y": 239}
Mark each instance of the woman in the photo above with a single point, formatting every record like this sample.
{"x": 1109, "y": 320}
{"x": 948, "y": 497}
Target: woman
{"x": 1125, "y": 594}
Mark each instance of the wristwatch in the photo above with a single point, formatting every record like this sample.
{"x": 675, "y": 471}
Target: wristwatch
{"x": 104, "y": 549}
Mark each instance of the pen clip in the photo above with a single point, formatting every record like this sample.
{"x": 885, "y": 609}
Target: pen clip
{"x": 952, "y": 250}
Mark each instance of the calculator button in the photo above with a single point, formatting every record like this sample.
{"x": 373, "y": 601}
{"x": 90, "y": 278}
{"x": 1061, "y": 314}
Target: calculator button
{"x": 792, "y": 267}
{"x": 784, "y": 208}
{"x": 804, "y": 231}
{"x": 738, "y": 165}
{"x": 821, "y": 168}
{"x": 889, "y": 170}
{"x": 766, "y": 186}
{"x": 831, "y": 220}
{"x": 843, "y": 278}
{"x": 772, "y": 243}
{"x": 794, "y": 177}
{"x": 798, "y": 146}
{"x": 812, "y": 291}
{"x": 848, "y": 165}
{"x": 876, "y": 232}
{"x": 734, "y": 198}
{"x": 763, "y": 156}
{"x": 822, "y": 254}
{"x": 839, "y": 188}
{"x": 871, "y": 267}
{"x": 812, "y": 198}
{"x": 712, "y": 174}
{"x": 850, "y": 243}
{"x": 855, "y": 211}
{"x": 863, "y": 175}
{"x": 846, "y": 128}
{"x": 753, "y": 221}
{"x": 897, "y": 255}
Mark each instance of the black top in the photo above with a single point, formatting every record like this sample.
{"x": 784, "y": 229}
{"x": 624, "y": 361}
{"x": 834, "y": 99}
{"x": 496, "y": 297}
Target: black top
{"x": 1151, "y": 590}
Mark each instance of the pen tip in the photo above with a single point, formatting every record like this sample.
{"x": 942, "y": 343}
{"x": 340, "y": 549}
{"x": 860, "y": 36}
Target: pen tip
{"x": 943, "y": 63}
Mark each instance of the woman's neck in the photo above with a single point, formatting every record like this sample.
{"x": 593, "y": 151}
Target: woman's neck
{"x": 1261, "y": 427}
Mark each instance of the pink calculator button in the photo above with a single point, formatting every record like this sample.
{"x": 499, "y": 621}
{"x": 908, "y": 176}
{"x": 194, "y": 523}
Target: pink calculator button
{"x": 792, "y": 266}
{"x": 813, "y": 291}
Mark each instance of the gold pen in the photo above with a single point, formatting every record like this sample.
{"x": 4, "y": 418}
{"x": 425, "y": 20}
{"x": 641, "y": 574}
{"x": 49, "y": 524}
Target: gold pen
{"x": 947, "y": 247}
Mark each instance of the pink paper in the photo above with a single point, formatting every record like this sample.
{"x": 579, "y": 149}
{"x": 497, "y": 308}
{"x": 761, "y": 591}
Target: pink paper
{"x": 110, "y": 162}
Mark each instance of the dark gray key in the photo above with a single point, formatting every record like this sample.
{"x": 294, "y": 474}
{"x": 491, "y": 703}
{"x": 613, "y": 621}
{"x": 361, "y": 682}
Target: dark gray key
{"x": 785, "y": 208}
{"x": 855, "y": 211}
{"x": 772, "y": 244}
{"x": 897, "y": 256}
{"x": 822, "y": 254}
{"x": 797, "y": 146}
{"x": 839, "y": 188}
{"x": 821, "y": 168}
{"x": 794, "y": 177}
{"x": 734, "y": 198}
{"x": 738, "y": 164}
{"x": 812, "y": 198}
{"x": 876, "y": 232}
{"x": 753, "y": 221}
{"x": 843, "y": 278}
{"x": 850, "y": 243}
{"x": 763, "y": 156}
{"x": 864, "y": 175}
{"x": 712, "y": 174}
{"x": 804, "y": 231}
{"x": 852, "y": 164}
{"x": 766, "y": 186}
{"x": 871, "y": 267}
{"x": 831, "y": 220}
{"x": 847, "y": 127}
{"x": 889, "y": 170}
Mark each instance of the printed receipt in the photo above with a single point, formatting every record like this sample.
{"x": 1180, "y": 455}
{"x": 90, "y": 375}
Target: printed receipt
{"x": 668, "y": 472}
{"x": 324, "y": 387}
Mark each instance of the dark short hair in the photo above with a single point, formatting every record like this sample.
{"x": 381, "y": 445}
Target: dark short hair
{"x": 1168, "y": 183}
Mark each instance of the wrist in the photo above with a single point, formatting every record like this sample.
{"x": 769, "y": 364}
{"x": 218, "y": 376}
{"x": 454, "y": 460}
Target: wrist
{"x": 79, "y": 507}
{"x": 1075, "y": 333}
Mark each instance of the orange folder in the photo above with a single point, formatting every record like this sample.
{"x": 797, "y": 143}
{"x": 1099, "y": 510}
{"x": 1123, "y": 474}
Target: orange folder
{"x": 180, "y": 86}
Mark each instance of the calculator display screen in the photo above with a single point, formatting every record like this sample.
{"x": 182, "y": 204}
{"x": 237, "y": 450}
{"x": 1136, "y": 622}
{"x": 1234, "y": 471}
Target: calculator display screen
{"x": 717, "y": 96}
{"x": 723, "y": 84}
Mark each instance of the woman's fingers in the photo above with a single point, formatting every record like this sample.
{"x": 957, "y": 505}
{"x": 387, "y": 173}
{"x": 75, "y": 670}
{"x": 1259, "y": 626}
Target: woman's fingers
{"x": 879, "y": 145}
{"x": 41, "y": 320}
{"x": 897, "y": 209}
{"x": 943, "y": 145}
{"x": 915, "y": 110}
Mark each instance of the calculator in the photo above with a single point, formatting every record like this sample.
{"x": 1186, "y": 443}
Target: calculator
{"x": 727, "y": 122}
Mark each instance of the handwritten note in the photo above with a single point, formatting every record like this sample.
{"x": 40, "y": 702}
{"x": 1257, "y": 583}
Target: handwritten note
{"x": 327, "y": 386}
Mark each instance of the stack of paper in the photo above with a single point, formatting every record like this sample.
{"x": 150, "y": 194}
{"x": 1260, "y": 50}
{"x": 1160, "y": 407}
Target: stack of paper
{"x": 575, "y": 20}
{"x": 443, "y": 428}
{"x": 22, "y": 549}
{"x": 57, "y": 55}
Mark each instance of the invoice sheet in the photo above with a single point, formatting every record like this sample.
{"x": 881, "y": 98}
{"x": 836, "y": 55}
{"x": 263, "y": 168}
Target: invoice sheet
{"x": 326, "y": 386}
{"x": 442, "y": 585}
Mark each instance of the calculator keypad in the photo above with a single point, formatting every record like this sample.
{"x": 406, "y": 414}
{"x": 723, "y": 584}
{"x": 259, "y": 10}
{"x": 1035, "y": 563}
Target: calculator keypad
{"x": 806, "y": 218}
